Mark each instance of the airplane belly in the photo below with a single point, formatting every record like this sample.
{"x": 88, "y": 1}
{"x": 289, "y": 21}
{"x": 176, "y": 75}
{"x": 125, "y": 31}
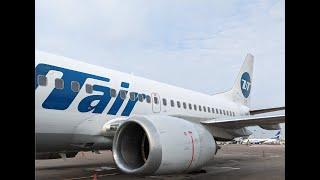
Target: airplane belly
{"x": 58, "y": 131}
{"x": 53, "y": 142}
{"x": 54, "y": 130}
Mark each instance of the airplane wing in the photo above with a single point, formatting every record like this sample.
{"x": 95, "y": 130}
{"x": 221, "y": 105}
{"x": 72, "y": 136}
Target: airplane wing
{"x": 259, "y": 111}
{"x": 243, "y": 121}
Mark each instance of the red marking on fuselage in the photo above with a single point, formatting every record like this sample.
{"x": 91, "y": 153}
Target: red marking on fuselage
{"x": 192, "y": 150}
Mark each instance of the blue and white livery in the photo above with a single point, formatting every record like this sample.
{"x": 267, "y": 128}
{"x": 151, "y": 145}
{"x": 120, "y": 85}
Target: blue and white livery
{"x": 151, "y": 127}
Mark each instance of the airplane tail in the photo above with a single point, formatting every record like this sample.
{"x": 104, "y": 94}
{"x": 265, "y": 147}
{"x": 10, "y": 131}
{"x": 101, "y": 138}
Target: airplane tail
{"x": 241, "y": 89}
{"x": 277, "y": 136}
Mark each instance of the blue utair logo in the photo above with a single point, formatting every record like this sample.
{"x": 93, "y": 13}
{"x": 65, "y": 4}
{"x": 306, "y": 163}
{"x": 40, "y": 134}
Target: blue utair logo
{"x": 245, "y": 84}
{"x": 61, "y": 99}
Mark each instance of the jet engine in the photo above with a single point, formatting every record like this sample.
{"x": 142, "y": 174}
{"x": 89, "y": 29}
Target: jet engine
{"x": 158, "y": 144}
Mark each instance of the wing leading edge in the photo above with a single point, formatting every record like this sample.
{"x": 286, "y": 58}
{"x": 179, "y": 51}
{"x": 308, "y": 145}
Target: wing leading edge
{"x": 238, "y": 122}
{"x": 259, "y": 111}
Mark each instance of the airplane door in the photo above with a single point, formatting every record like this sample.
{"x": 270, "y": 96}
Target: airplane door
{"x": 156, "y": 103}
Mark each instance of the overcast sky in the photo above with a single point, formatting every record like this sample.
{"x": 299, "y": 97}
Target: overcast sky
{"x": 199, "y": 45}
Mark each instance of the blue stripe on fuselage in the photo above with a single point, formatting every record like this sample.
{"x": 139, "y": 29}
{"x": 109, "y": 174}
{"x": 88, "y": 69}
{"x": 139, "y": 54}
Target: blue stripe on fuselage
{"x": 85, "y": 104}
{"x": 130, "y": 105}
{"x": 117, "y": 104}
{"x": 61, "y": 99}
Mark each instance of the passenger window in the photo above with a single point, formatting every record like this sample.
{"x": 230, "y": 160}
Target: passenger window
{"x": 200, "y": 108}
{"x": 220, "y": 111}
{"x": 59, "y": 84}
{"x": 155, "y": 99}
{"x": 133, "y": 96}
{"x": 178, "y": 104}
{"x": 212, "y": 110}
{"x": 140, "y": 97}
{"x": 113, "y": 93}
{"x": 89, "y": 88}
{"x": 172, "y": 103}
{"x": 233, "y": 114}
{"x": 204, "y": 109}
{"x": 184, "y": 105}
{"x": 195, "y": 107}
{"x": 123, "y": 95}
{"x": 190, "y": 106}
{"x": 148, "y": 99}
{"x": 164, "y": 101}
{"x": 224, "y": 113}
{"x": 209, "y": 109}
{"x": 75, "y": 86}
{"x": 227, "y": 112}
{"x": 217, "y": 112}
{"x": 42, "y": 80}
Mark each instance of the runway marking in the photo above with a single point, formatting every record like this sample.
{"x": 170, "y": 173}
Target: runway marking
{"x": 86, "y": 177}
{"x": 107, "y": 168}
{"x": 229, "y": 167}
{"x": 103, "y": 168}
{"x": 241, "y": 155}
{"x": 274, "y": 156}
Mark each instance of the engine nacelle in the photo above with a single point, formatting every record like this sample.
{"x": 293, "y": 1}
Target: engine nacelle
{"x": 157, "y": 144}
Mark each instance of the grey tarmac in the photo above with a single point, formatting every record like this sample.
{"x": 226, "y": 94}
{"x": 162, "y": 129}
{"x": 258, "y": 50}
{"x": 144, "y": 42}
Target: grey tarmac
{"x": 233, "y": 161}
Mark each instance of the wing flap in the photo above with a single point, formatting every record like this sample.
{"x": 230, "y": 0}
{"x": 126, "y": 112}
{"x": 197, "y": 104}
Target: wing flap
{"x": 244, "y": 121}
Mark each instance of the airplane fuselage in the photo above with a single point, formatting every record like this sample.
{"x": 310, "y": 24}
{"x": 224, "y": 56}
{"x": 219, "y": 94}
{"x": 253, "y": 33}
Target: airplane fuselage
{"x": 73, "y": 100}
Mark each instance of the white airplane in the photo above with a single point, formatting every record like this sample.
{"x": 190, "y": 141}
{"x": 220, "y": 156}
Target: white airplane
{"x": 273, "y": 140}
{"x": 151, "y": 127}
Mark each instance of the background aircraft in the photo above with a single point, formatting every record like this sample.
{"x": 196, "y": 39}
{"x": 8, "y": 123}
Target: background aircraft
{"x": 274, "y": 140}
